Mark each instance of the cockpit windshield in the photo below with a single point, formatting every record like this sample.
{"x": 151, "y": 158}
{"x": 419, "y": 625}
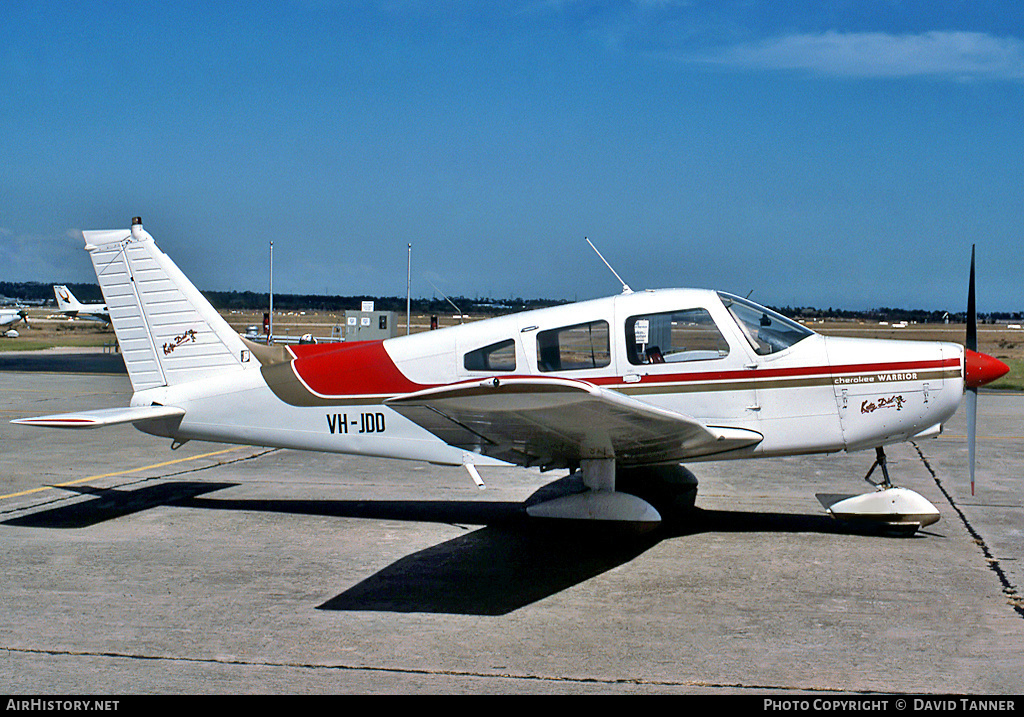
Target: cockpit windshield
{"x": 767, "y": 331}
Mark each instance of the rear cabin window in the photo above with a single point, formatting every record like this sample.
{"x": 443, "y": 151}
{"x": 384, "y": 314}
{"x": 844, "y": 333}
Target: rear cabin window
{"x": 674, "y": 336}
{"x": 575, "y": 347}
{"x": 496, "y": 357}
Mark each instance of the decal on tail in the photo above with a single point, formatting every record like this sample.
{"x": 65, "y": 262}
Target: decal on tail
{"x": 66, "y": 301}
{"x": 168, "y": 332}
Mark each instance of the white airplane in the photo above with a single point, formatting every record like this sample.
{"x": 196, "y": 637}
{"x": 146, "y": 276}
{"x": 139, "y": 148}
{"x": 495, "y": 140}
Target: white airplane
{"x": 9, "y": 317}
{"x": 68, "y": 304}
{"x": 620, "y": 388}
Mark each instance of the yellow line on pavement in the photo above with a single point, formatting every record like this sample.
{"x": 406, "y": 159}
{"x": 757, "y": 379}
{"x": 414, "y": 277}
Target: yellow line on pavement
{"x": 120, "y": 473}
{"x": 962, "y": 437}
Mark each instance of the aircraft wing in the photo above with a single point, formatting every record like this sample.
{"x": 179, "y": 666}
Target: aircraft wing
{"x": 102, "y": 417}
{"x": 555, "y": 422}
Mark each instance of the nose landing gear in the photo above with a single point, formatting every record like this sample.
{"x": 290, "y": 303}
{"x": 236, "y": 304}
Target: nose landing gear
{"x": 898, "y": 509}
{"x": 880, "y": 462}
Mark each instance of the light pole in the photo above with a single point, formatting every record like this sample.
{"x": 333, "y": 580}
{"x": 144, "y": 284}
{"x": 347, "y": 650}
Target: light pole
{"x": 408, "y": 293}
{"x": 270, "y": 329}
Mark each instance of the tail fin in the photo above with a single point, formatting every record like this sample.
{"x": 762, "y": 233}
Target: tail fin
{"x": 66, "y": 301}
{"x": 168, "y": 332}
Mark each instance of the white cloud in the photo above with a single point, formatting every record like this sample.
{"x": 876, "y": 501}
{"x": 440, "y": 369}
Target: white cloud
{"x": 956, "y": 55}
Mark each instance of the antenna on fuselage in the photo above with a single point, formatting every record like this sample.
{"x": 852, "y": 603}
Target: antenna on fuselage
{"x": 448, "y": 300}
{"x": 625, "y": 286}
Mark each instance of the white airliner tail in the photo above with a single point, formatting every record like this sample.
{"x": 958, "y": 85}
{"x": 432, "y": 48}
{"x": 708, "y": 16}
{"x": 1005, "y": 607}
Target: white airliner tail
{"x": 168, "y": 332}
{"x": 66, "y": 301}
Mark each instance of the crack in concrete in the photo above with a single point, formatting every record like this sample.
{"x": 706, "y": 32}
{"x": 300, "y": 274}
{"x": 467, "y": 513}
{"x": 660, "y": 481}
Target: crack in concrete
{"x": 1013, "y": 598}
{"x": 218, "y": 464}
{"x": 609, "y": 681}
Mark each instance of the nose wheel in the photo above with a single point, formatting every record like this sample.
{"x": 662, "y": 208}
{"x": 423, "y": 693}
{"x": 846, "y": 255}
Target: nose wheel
{"x": 896, "y": 509}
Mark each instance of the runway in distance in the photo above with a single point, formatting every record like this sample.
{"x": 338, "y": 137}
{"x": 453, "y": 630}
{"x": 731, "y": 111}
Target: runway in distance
{"x": 68, "y": 305}
{"x": 621, "y": 389}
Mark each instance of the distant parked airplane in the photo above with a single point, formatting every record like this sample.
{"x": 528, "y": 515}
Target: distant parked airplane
{"x": 68, "y": 304}
{"x": 9, "y": 317}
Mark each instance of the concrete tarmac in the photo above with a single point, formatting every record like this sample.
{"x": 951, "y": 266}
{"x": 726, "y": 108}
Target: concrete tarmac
{"x": 130, "y": 568}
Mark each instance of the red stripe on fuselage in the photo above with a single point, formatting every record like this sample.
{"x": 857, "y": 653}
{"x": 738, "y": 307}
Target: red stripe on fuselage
{"x": 365, "y": 368}
{"x": 767, "y": 373}
{"x": 361, "y": 368}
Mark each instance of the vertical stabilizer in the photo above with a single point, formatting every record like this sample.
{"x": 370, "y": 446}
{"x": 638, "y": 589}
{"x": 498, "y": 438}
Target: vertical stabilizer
{"x": 168, "y": 332}
{"x": 66, "y": 301}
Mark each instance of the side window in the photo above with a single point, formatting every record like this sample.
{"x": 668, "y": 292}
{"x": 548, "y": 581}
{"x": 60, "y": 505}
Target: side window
{"x": 574, "y": 347}
{"x": 496, "y": 357}
{"x": 673, "y": 336}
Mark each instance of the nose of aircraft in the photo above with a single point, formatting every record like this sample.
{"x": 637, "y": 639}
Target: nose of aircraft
{"x": 982, "y": 369}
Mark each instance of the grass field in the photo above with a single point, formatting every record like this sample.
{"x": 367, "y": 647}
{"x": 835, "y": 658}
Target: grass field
{"x": 45, "y": 333}
{"x": 1013, "y": 381}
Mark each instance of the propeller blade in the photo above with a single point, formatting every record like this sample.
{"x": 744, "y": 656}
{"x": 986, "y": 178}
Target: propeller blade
{"x": 972, "y": 315}
{"x": 979, "y": 369}
{"x": 972, "y": 422}
{"x": 972, "y": 392}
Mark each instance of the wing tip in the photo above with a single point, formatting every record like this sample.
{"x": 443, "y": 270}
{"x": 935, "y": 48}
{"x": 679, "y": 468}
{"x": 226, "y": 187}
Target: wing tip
{"x": 102, "y": 417}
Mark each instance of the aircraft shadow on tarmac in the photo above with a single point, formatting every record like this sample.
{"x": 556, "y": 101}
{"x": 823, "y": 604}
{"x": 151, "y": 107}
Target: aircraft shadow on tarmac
{"x": 510, "y": 562}
{"x": 505, "y": 566}
{"x": 111, "y": 503}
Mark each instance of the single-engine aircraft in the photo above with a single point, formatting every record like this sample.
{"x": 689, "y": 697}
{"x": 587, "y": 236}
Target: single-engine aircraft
{"x": 632, "y": 384}
{"x": 9, "y": 317}
{"x": 70, "y": 306}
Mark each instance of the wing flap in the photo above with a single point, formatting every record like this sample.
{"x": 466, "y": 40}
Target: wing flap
{"x": 102, "y": 417}
{"x": 556, "y": 422}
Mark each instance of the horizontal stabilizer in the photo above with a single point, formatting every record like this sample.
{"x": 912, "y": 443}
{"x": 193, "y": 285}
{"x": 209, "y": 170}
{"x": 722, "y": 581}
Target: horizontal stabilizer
{"x": 102, "y": 417}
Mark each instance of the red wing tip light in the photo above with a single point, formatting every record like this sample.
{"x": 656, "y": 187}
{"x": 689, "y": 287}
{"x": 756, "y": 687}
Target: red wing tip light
{"x": 57, "y": 422}
{"x": 982, "y": 369}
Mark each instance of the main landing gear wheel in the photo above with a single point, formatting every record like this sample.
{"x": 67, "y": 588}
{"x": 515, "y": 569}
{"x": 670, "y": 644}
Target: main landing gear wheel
{"x": 600, "y": 502}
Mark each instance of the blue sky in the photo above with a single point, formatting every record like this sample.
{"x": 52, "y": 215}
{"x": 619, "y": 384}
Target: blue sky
{"x": 841, "y": 154}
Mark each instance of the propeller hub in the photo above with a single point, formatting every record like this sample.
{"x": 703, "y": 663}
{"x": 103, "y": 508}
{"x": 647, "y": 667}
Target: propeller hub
{"x": 982, "y": 369}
